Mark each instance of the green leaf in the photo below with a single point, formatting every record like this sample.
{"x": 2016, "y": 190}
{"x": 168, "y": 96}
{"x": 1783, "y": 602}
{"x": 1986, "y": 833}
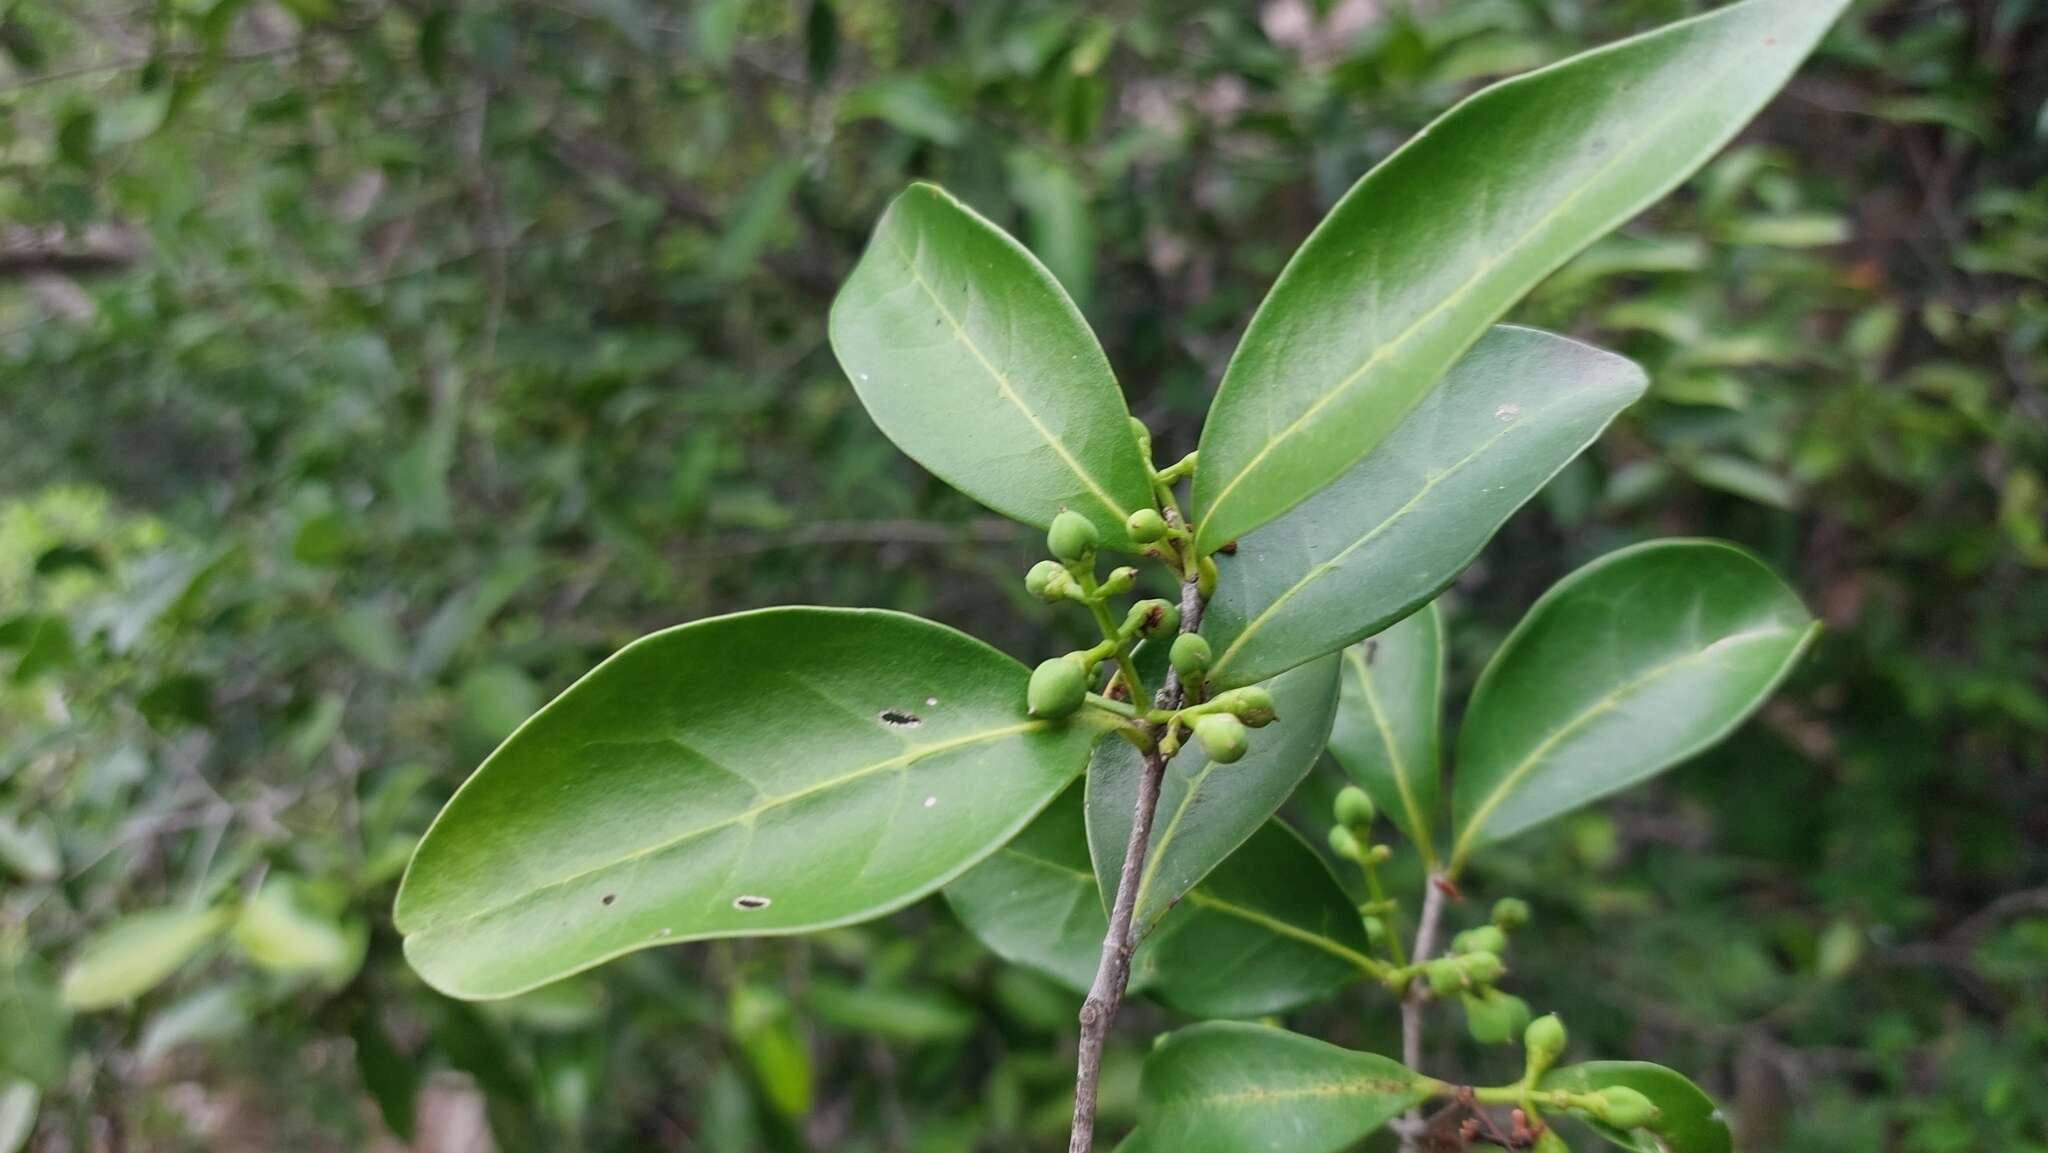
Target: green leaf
{"x": 1689, "y": 1121}
{"x": 1267, "y": 930}
{"x": 1390, "y": 723}
{"x": 29, "y": 848}
{"x": 19, "y": 1103}
{"x": 1439, "y": 240}
{"x": 33, "y": 1022}
{"x": 285, "y": 928}
{"x": 136, "y": 953}
{"x": 1227, "y": 1088}
{"x": 912, "y": 1016}
{"x": 1624, "y": 668}
{"x": 1400, "y": 525}
{"x": 767, "y": 1033}
{"x": 1034, "y": 902}
{"x": 1206, "y": 810}
{"x": 970, "y": 357}
{"x": 765, "y": 773}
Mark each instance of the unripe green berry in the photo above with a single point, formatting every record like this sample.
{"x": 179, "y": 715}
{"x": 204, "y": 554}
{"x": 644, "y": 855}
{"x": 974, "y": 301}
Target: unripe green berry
{"x": 1154, "y": 617}
{"x": 1190, "y": 656}
{"x": 1146, "y": 525}
{"x": 1444, "y": 976}
{"x": 1047, "y": 580}
{"x": 1375, "y": 931}
{"x": 1380, "y": 854}
{"x": 1344, "y": 844}
{"x": 1624, "y": 1108}
{"x": 1057, "y": 687}
{"x": 1544, "y": 1040}
{"x": 1354, "y": 808}
{"x": 1487, "y": 1017}
{"x": 1222, "y": 736}
{"x": 1510, "y": 913}
{"x": 1482, "y": 968}
{"x": 1484, "y": 939}
{"x": 1550, "y": 1142}
{"x": 1072, "y": 537}
{"x": 1251, "y": 704}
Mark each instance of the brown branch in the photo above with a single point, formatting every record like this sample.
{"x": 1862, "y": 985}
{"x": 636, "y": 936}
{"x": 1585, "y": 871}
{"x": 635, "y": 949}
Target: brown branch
{"x": 1113, "y": 975}
{"x": 1433, "y": 892}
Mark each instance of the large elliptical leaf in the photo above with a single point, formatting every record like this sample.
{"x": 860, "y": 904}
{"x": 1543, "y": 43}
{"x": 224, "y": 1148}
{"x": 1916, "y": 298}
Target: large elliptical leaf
{"x": 1444, "y": 236}
{"x": 971, "y": 358}
{"x": 1624, "y": 668}
{"x": 1688, "y": 1120}
{"x": 1390, "y": 723}
{"x": 764, "y": 773}
{"x": 1229, "y": 1088}
{"x": 1268, "y": 930}
{"x": 1206, "y": 810}
{"x": 1400, "y": 525}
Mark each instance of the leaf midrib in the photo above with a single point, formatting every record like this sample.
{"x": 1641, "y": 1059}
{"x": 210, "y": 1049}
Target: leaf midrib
{"x": 1324, "y": 569}
{"x": 1002, "y": 380}
{"x": 1275, "y": 925}
{"x": 1457, "y": 295}
{"x": 745, "y": 816}
{"x": 1601, "y": 705}
{"x": 1350, "y": 1087}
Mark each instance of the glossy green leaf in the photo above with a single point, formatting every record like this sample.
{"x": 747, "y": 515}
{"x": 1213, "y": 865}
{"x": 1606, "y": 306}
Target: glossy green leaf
{"x": 1401, "y": 524}
{"x": 1434, "y": 244}
{"x": 136, "y": 953}
{"x": 1206, "y": 810}
{"x": 1267, "y": 930}
{"x": 1390, "y": 723}
{"x": 972, "y": 359}
{"x": 33, "y": 1022}
{"x": 1230, "y": 1088}
{"x": 764, "y": 773}
{"x": 1034, "y": 901}
{"x": 1624, "y": 668}
{"x": 1688, "y": 1121}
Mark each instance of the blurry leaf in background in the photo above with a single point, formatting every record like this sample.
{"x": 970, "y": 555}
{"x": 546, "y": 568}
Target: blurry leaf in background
{"x": 33, "y": 1021}
{"x": 135, "y": 953}
{"x": 18, "y": 1106}
{"x": 286, "y": 928}
{"x": 766, "y": 1031}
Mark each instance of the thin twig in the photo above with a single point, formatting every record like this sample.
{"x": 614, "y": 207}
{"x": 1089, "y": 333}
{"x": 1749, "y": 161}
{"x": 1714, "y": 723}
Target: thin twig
{"x": 1113, "y": 975}
{"x": 1433, "y": 892}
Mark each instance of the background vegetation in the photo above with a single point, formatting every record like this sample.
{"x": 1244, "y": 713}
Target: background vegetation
{"x": 371, "y": 368}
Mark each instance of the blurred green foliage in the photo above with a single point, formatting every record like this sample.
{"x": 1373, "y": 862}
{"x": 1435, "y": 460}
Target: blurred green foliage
{"x": 371, "y": 368}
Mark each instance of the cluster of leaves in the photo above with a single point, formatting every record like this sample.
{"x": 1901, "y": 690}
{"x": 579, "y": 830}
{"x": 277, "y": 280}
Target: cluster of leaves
{"x": 475, "y": 343}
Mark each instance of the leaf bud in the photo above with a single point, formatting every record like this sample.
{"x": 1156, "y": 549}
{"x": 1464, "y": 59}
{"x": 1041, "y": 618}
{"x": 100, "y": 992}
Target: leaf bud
{"x": 1251, "y": 704}
{"x": 1484, "y": 939}
{"x": 1510, "y": 913}
{"x": 1375, "y": 931}
{"x": 1344, "y": 844}
{"x": 1057, "y": 687}
{"x": 1354, "y": 808}
{"x": 1623, "y": 1107}
{"x": 1222, "y": 736}
{"x": 1545, "y": 1040}
{"x": 1072, "y": 537}
{"x": 1146, "y": 525}
{"x": 1190, "y": 656}
{"x": 1143, "y": 436}
{"x": 1118, "y": 582}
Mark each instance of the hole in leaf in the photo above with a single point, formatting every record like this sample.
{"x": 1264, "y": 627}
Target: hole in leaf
{"x": 897, "y": 718}
{"x": 750, "y": 903}
{"x": 609, "y": 898}
{"x": 1372, "y": 649}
